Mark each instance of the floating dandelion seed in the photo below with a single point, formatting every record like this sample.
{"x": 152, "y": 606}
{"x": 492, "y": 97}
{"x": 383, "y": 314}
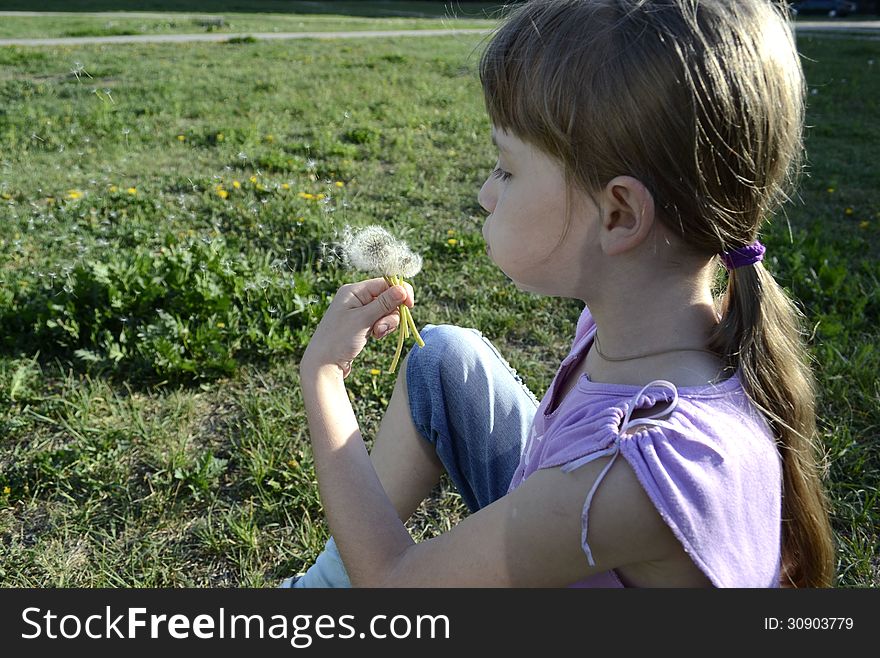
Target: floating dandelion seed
{"x": 374, "y": 250}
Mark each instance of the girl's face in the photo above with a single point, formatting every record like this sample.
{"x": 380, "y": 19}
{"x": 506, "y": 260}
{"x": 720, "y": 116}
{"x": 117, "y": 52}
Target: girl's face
{"x": 525, "y": 199}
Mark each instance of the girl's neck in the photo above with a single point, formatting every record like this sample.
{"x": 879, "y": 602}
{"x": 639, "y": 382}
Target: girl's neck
{"x": 650, "y": 324}
{"x": 689, "y": 370}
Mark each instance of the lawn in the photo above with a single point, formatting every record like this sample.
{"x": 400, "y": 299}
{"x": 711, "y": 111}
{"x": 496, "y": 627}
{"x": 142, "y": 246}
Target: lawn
{"x": 168, "y": 217}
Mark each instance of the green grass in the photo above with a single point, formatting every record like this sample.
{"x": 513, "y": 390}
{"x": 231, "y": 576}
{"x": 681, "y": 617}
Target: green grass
{"x": 148, "y": 448}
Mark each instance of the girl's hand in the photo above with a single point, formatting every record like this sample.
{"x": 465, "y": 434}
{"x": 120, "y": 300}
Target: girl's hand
{"x": 357, "y": 310}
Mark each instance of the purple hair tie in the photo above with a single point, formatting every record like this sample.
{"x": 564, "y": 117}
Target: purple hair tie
{"x": 748, "y": 255}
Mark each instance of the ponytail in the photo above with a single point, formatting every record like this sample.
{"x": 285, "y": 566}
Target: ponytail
{"x": 760, "y": 332}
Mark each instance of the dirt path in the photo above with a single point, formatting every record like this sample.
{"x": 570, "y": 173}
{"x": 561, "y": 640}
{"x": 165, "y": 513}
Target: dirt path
{"x": 865, "y": 29}
{"x": 178, "y": 38}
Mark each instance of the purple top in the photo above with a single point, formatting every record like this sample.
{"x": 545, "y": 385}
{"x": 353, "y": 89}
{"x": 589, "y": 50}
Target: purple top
{"x": 711, "y": 468}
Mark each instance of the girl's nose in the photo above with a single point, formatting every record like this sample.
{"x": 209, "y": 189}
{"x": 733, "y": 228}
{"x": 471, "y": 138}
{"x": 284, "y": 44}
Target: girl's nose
{"x": 487, "y": 198}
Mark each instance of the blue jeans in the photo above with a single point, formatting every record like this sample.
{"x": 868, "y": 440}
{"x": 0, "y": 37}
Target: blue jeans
{"x": 468, "y": 402}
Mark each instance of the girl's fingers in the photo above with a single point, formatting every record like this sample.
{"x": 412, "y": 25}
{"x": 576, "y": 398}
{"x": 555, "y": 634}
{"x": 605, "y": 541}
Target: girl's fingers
{"x": 386, "y": 325}
{"x": 411, "y": 296}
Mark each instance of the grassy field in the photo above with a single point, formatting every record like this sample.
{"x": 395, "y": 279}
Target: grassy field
{"x": 167, "y": 221}
{"x": 227, "y": 17}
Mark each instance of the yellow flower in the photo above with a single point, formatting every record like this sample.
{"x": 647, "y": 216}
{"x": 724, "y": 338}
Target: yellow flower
{"x": 299, "y": 220}
{"x": 285, "y": 186}
{"x": 6, "y": 491}
{"x": 132, "y": 190}
{"x": 113, "y": 188}
{"x": 221, "y": 325}
{"x": 452, "y": 242}
{"x": 339, "y": 183}
{"x": 450, "y": 232}
{"x": 270, "y": 138}
{"x": 830, "y": 190}
{"x": 260, "y": 187}
{"x": 320, "y": 196}
{"x": 181, "y": 138}
{"x": 218, "y": 186}
{"x": 848, "y": 211}
{"x": 220, "y": 137}
{"x": 253, "y": 179}
{"x": 864, "y": 225}
{"x": 73, "y": 194}
{"x": 222, "y": 194}
{"x": 306, "y": 195}
{"x": 375, "y": 372}
{"x": 236, "y": 184}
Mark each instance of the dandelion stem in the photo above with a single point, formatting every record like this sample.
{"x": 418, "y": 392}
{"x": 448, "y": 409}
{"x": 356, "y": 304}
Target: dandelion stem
{"x": 410, "y": 323}
{"x": 412, "y": 327}
{"x": 399, "y": 346}
{"x": 404, "y": 311}
{"x": 406, "y": 326}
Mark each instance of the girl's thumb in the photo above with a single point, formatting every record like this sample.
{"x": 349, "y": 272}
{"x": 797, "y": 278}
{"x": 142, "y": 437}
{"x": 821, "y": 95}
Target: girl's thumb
{"x": 391, "y": 299}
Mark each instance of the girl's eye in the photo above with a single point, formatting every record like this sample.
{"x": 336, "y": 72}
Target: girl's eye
{"x": 500, "y": 173}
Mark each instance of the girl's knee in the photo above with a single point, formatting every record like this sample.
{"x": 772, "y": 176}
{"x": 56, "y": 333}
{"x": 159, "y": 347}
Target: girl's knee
{"x": 440, "y": 376}
{"x": 449, "y": 351}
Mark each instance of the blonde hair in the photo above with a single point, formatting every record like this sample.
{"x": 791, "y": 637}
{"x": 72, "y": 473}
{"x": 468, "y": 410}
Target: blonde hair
{"x": 703, "y": 102}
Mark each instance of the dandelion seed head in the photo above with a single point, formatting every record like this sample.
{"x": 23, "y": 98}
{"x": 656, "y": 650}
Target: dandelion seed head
{"x": 410, "y": 264}
{"x": 366, "y": 249}
{"x": 374, "y": 250}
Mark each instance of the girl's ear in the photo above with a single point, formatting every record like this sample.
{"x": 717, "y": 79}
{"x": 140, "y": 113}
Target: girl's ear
{"x": 627, "y": 214}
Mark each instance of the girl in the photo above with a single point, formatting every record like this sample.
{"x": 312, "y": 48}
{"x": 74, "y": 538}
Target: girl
{"x": 642, "y": 144}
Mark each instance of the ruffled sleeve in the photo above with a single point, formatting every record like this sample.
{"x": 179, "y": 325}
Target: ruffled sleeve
{"x": 713, "y": 476}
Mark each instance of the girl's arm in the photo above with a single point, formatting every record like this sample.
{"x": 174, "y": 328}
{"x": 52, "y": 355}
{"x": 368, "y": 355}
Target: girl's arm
{"x": 364, "y": 523}
{"x": 531, "y": 537}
